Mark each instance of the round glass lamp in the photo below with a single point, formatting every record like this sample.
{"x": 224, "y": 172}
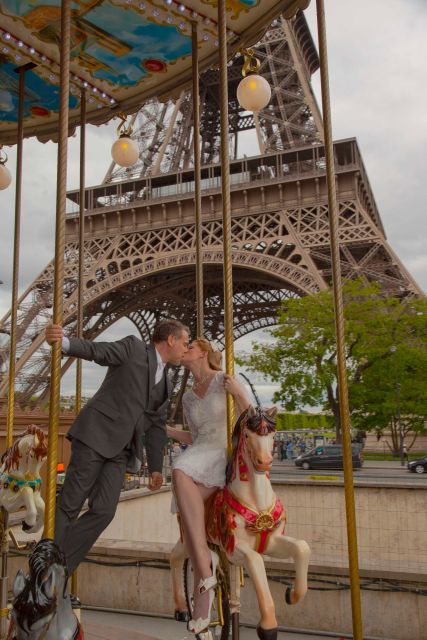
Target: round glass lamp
{"x": 253, "y": 92}
{"x": 5, "y": 177}
{"x": 125, "y": 151}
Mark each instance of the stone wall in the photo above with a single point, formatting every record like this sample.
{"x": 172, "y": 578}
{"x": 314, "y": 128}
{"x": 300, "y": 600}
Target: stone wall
{"x": 392, "y": 522}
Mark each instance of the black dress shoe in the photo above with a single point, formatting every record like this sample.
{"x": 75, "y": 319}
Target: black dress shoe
{"x": 75, "y": 602}
{"x": 182, "y": 616}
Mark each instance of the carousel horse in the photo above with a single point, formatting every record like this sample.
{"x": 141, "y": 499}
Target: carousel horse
{"x": 20, "y": 481}
{"x": 247, "y": 520}
{"x": 42, "y": 606}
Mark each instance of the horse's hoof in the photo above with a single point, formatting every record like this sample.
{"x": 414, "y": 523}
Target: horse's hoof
{"x": 27, "y": 527}
{"x": 266, "y": 634}
{"x": 75, "y": 601}
{"x": 182, "y": 616}
{"x": 288, "y": 595}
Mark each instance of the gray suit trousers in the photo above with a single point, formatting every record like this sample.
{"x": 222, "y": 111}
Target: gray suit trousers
{"x": 89, "y": 476}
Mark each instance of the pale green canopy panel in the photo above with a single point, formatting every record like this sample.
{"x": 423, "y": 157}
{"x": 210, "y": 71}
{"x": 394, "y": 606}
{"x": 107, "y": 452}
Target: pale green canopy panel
{"x": 122, "y": 51}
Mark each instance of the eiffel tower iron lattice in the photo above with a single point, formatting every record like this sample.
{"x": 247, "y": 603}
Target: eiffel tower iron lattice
{"x": 139, "y": 224}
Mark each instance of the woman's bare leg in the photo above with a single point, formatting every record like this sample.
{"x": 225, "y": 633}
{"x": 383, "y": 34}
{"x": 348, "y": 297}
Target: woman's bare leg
{"x": 191, "y": 498}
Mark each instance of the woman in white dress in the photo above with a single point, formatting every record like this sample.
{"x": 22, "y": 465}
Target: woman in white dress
{"x": 200, "y": 470}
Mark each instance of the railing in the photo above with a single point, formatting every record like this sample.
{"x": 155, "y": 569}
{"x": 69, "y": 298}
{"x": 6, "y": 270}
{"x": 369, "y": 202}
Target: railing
{"x": 141, "y": 479}
{"x": 278, "y": 167}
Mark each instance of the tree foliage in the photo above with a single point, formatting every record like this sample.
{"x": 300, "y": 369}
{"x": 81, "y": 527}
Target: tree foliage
{"x": 386, "y": 345}
{"x": 294, "y": 421}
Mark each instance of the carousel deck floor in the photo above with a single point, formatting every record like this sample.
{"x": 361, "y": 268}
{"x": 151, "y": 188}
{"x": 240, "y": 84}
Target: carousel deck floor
{"x": 112, "y": 626}
{"x": 96, "y": 631}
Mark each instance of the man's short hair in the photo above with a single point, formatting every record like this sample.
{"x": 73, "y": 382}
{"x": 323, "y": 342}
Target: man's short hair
{"x": 166, "y": 328}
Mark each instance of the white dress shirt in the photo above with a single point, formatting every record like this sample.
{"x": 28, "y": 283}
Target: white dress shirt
{"x": 160, "y": 367}
{"x": 65, "y": 347}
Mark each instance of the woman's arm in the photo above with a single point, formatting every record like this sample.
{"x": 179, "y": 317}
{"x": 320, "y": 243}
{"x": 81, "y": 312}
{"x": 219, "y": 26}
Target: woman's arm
{"x": 238, "y": 392}
{"x": 179, "y": 434}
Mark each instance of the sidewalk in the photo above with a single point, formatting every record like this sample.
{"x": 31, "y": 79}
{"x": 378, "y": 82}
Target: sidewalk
{"x": 117, "y": 626}
{"x": 367, "y": 464}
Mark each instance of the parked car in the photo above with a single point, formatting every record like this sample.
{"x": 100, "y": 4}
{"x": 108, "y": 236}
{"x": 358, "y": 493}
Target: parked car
{"x": 328, "y": 457}
{"x": 418, "y": 466}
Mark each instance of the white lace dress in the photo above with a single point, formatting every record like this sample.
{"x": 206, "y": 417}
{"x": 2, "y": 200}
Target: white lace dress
{"x": 205, "y": 460}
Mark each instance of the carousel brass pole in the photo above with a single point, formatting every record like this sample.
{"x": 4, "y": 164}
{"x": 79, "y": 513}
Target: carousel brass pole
{"x": 226, "y": 223}
{"x": 226, "y": 211}
{"x": 81, "y": 245}
{"x": 15, "y": 275}
{"x": 55, "y": 380}
{"x": 339, "y": 328}
{"x": 78, "y": 407}
{"x": 4, "y": 545}
{"x": 197, "y": 185}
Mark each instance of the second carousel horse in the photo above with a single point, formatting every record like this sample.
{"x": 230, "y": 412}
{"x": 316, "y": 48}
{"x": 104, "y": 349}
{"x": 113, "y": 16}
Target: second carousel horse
{"x": 42, "y": 606}
{"x": 20, "y": 480}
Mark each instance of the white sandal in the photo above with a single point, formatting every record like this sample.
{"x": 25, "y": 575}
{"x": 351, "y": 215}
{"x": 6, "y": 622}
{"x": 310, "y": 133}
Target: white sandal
{"x": 206, "y": 584}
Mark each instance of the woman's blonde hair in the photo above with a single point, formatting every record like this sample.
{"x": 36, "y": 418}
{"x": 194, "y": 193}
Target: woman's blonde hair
{"x": 214, "y": 357}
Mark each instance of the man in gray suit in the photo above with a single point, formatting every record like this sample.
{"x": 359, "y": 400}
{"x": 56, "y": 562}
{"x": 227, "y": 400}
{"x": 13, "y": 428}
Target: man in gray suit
{"x": 107, "y": 436}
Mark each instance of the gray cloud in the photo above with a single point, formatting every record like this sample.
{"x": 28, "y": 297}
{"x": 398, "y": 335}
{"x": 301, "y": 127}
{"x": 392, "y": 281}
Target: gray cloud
{"x": 377, "y": 56}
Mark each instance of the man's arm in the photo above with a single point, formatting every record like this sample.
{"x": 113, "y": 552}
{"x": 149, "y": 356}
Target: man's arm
{"x": 103, "y": 353}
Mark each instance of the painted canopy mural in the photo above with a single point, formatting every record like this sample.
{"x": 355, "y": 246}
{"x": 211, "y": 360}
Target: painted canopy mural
{"x": 122, "y": 51}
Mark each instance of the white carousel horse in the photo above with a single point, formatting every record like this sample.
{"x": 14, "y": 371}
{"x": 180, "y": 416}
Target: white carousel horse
{"x": 42, "y": 606}
{"x": 247, "y": 520}
{"x": 20, "y": 481}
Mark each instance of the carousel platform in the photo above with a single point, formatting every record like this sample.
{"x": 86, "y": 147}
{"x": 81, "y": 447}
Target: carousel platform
{"x": 113, "y": 626}
{"x": 96, "y": 631}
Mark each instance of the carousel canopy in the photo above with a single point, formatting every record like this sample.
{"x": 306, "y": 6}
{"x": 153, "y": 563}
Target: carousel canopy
{"x": 123, "y": 52}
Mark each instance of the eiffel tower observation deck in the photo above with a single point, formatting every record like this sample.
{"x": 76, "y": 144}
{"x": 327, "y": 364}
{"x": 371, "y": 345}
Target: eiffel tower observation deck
{"x": 140, "y": 230}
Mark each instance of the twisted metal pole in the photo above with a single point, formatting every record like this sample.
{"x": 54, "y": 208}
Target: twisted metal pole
{"x": 197, "y": 185}
{"x": 339, "y": 329}
{"x": 74, "y": 581}
{"x": 61, "y": 189}
{"x": 228, "y": 263}
{"x": 4, "y": 551}
{"x": 15, "y": 273}
{"x": 81, "y": 246}
{"x": 226, "y": 211}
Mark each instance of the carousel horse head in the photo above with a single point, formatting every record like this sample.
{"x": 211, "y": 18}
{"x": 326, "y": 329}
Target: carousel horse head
{"x": 20, "y": 481}
{"x": 42, "y": 607}
{"x": 27, "y": 454}
{"x": 252, "y": 442}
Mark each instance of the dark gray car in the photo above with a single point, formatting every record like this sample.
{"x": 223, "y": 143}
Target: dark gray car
{"x": 328, "y": 457}
{"x": 418, "y": 466}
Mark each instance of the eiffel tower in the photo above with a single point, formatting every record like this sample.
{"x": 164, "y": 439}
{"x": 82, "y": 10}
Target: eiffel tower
{"x": 139, "y": 249}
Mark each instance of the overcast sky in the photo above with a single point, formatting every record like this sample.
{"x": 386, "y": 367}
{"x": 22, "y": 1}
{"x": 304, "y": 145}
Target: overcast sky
{"x": 377, "y": 53}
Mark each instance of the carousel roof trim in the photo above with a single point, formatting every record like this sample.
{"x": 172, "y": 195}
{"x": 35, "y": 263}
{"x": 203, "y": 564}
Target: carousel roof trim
{"x": 123, "y": 52}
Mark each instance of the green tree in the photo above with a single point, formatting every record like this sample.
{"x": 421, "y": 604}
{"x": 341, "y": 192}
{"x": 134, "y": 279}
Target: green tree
{"x": 302, "y": 358}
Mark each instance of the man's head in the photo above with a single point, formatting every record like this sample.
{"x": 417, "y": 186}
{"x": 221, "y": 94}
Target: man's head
{"x": 171, "y": 339}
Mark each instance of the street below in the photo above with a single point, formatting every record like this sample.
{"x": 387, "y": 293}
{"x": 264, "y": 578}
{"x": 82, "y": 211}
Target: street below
{"x": 373, "y": 471}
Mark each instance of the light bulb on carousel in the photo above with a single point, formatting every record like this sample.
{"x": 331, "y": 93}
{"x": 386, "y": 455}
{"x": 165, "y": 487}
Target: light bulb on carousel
{"x": 124, "y": 151}
{"x": 253, "y": 92}
{"x": 5, "y": 176}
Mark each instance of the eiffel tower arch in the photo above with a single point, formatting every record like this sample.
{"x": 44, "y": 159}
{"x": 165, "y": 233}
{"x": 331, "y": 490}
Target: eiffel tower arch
{"x": 139, "y": 250}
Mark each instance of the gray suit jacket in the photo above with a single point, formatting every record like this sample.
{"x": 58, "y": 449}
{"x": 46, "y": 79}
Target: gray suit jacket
{"x": 120, "y": 413}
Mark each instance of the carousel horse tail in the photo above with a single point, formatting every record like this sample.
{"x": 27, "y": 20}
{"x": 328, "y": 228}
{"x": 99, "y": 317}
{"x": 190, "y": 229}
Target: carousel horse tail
{"x": 266, "y": 634}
